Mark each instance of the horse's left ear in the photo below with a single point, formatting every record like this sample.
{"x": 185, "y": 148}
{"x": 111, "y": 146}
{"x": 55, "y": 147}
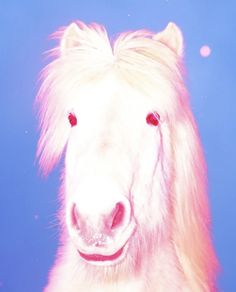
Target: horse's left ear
{"x": 70, "y": 38}
{"x": 172, "y": 37}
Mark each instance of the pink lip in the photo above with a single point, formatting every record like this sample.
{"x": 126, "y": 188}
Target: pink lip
{"x": 100, "y": 257}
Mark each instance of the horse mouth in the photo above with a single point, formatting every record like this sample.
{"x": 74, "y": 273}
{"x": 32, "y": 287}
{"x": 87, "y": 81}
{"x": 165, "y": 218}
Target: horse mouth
{"x": 101, "y": 259}
{"x": 107, "y": 254}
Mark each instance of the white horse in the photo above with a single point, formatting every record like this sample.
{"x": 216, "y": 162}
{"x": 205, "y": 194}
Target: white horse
{"x": 134, "y": 206}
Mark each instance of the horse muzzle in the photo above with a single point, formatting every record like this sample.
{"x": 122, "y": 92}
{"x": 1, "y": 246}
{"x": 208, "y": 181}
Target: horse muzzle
{"x": 101, "y": 238}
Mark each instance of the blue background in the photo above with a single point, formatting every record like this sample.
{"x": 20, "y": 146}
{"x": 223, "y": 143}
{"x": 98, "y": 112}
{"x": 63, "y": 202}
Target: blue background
{"x": 28, "y": 203}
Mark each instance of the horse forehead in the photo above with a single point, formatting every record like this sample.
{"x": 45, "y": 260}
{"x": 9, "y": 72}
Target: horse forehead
{"x": 108, "y": 102}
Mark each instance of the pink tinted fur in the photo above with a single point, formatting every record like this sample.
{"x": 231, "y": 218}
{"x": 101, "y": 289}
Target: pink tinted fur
{"x": 183, "y": 259}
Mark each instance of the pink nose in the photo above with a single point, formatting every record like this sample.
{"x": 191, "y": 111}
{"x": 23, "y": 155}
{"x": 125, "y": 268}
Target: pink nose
{"x": 96, "y": 229}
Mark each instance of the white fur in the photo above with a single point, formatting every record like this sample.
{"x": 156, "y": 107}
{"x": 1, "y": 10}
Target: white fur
{"x": 113, "y": 153}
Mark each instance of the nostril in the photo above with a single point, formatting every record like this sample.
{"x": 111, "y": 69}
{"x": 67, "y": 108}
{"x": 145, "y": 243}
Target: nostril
{"x": 118, "y": 215}
{"x": 74, "y": 217}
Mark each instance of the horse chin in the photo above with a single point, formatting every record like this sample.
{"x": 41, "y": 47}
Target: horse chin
{"x": 108, "y": 259}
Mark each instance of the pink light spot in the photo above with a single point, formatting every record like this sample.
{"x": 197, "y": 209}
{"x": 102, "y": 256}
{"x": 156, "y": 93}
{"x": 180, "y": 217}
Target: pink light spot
{"x": 205, "y": 51}
{"x": 36, "y": 216}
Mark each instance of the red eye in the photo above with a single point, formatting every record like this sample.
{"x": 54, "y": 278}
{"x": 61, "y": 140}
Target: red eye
{"x": 153, "y": 119}
{"x": 72, "y": 119}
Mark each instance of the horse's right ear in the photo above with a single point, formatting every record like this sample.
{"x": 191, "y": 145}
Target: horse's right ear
{"x": 70, "y": 38}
